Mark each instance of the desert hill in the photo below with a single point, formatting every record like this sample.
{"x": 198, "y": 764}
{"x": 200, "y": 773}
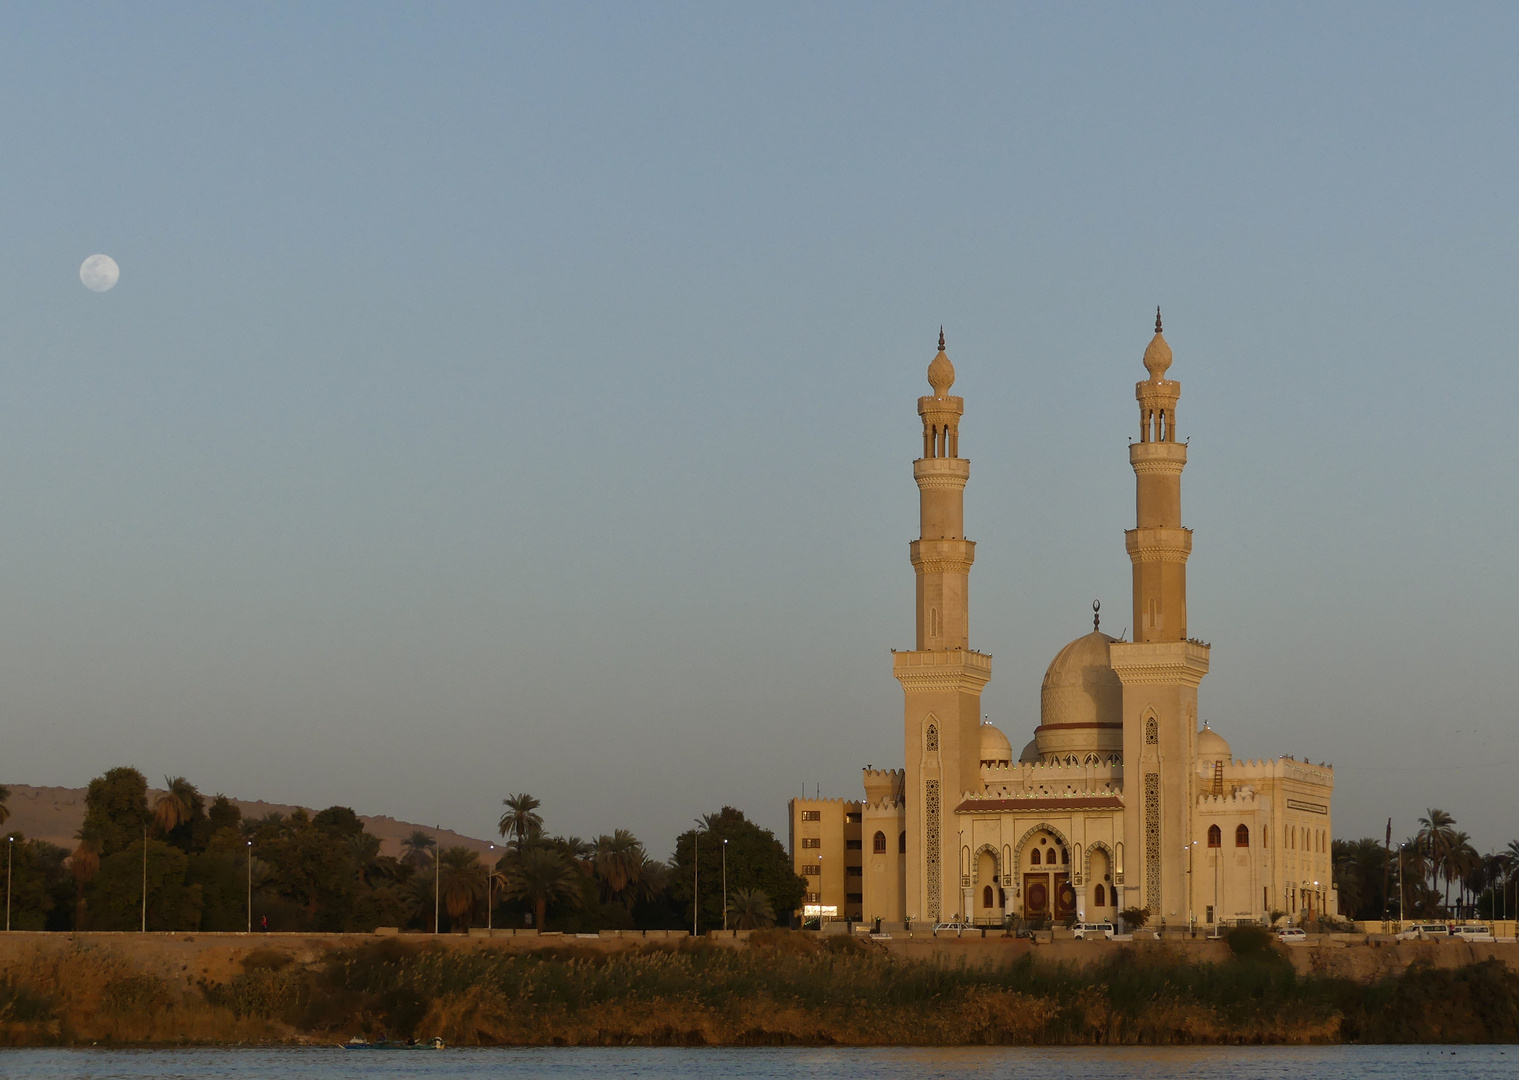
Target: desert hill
{"x": 54, "y": 814}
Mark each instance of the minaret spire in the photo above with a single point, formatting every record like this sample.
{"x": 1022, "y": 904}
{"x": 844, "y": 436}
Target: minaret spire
{"x": 1158, "y": 545}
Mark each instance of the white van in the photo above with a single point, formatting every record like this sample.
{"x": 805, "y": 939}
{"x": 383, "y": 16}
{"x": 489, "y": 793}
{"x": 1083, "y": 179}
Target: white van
{"x": 1095, "y": 931}
{"x": 1472, "y": 932}
{"x": 1425, "y": 932}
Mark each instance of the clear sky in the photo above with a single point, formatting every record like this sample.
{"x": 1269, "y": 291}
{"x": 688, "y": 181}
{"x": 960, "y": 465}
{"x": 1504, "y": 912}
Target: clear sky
{"x": 504, "y": 398}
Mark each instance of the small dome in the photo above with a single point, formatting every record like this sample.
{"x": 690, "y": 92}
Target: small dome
{"x": 941, "y": 373}
{"x": 1211, "y": 745}
{"x": 994, "y": 745}
{"x": 1157, "y": 353}
{"x": 1030, "y": 752}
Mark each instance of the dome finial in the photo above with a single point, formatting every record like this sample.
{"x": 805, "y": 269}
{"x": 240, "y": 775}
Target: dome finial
{"x": 1157, "y": 353}
{"x": 1096, "y": 615}
{"x": 941, "y": 373}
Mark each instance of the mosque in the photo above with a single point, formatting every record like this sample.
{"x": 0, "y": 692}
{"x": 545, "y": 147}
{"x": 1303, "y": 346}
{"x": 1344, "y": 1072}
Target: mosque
{"x": 1119, "y": 800}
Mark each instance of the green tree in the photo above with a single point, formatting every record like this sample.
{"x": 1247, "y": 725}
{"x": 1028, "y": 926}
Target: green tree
{"x": 756, "y": 860}
{"x": 115, "y": 894}
{"x": 364, "y": 854}
{"x": 224, "y": 814}
{"x": 173, "y": 807}
{"x": 340, "y": 820}
{"x": 619, "y": 861}
{"x": 116, "y": 810}
{"x": 1437, "y": 830}
{"x": 1358, "y": 875}
{"x": 539, "y": 876}
{"x": 461, "y": 885}
{"x": 750, "y": 909}
{"x": 5, "y": 810}
{"x": 416, "y": 851}
{"x": 36, "y": 873}
{"x": 521, "y": 819}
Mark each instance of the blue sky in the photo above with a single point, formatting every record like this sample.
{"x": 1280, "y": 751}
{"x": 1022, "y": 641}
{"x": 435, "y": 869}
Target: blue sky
{"x": 505, "y": 397}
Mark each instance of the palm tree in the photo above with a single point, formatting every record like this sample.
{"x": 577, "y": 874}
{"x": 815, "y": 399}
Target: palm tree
{"x": 750, "y": 909}
{"x": 619, "y": 862}
{"x": 582, "y": 851}
{"x": 5, "y": 811}
{"x": 461, "y": 882}
{"x": 174, "y": 806}
{"x": 1436, "y": 828}
{"x": 364, "y": 852}
{"x": 541, "y": 876}
{"x": 414, "y": 851}
{"x": 521, "y": 819}
{"x": 84, "y": 864}
{"x": 1460, "y": 859}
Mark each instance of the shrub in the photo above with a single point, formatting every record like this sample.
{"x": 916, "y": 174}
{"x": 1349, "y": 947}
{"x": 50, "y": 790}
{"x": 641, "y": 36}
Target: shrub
{"x": 1135, "y": 916}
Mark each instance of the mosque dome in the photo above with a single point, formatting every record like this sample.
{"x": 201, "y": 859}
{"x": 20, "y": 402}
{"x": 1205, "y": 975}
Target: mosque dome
{"x": 1030, "y": 752}
{"x": 994, "y": 746}
{"x": 941, "y": 373}
{"x": 1157, "y": 353}
{"x": 1081, "y": 702}
{"x": 1211, "y": 745}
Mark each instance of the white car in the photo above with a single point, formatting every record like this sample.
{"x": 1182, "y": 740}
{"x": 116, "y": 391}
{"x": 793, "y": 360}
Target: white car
{"x": 1292, "y": 935}
{"x": 1425, "y": 932}
{"x": 1096, "y": 930}
{"x": 955, "y": 926}
{"x": 1472, "y": 932}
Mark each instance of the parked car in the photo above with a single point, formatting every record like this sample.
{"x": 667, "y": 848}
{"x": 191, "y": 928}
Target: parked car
{"x": 1292, "y": 935}
{"x": 1098, "y": 930}
{"x": 1424, "y": 932}
{"x": 955, "y": 926}
{"x": 1472, "y": 932}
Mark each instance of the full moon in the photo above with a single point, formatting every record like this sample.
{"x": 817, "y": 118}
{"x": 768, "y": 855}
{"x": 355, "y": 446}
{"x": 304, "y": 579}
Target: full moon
{"x": 99, "y": 273}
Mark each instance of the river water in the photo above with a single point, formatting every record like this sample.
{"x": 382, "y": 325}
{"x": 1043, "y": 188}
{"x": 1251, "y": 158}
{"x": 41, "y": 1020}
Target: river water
{"x": 1054, "y": 1063}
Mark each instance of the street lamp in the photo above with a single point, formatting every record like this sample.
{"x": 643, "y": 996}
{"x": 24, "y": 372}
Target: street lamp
{"x": 9, "y": 847}
{"x": 437, "y": 876}
{"x": 490, "y": 885}
{"x": 250, "y": 886}
{"x": 144, "y": 877}
{"x": 725, "y": 883}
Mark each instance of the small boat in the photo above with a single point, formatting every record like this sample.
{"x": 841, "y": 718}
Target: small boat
{"x": 358, "y": 1042}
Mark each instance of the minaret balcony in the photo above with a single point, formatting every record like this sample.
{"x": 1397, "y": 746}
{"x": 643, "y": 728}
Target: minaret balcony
{"x": 941, "y": 472}
{"x": 963, "y": 670}
{"x": 1159, "y": 457}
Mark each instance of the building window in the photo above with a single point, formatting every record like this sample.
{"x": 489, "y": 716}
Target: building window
{"x": 854, "y": 898}
{"x": 1100, "y": 896}
{"x": 812, "y": 870}
{"x": 852, "y": 845}
{"x": 811, "y": 842}
{"x": 1034, "y": 858}
{"x": 1065, "y": 857}
{"x": 852, "y": 818}
{"x": 902, "y": 844}
{"x": 878, "y": 845}
{"x": 1264, "y": 841}
{"x": 1209, "y": 919}
{"x": 986, "y": 897}
{"x": 931, "y": 740}
{"x": 812, "y": 815}
{"x": 1152, "y": 732}
{"x": 854, "y": 871}
{"x": 812, "y": 898}
{"x": 1215, "y": 837}
{"x": 1242, "y": 836}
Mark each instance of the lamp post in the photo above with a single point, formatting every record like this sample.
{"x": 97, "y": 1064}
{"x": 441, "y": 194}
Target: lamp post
{"x": 490, "y": 886}
{"x": 695, "y": 879}
{"x": 437, "y": 877}
{"x": 10, "y": 846}
{"x": 250, "y": 886}
{"x": 144, "y": 877}
{"x": 725, "y": 883}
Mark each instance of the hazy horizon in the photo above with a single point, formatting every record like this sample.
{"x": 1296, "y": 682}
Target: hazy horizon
{"x": 504, "y": 399}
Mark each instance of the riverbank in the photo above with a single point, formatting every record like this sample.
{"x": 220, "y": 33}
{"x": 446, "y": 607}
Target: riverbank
{"x": 771, "y": 988}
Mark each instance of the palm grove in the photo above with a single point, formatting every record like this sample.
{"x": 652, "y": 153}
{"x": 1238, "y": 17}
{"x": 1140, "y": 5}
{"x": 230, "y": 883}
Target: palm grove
{"x": 1433, "y": 874}
{"x": 177, "y": 861}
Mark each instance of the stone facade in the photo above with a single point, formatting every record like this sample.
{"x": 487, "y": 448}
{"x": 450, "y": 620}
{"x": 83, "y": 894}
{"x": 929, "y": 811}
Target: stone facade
{"x": 1119, "y": 800}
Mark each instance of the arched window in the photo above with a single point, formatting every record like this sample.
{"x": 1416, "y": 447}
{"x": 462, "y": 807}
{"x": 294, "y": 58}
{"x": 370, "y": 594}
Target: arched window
{"x": 1034, "y": 858}
{"x": 879, "y": 846}
{"x": 902, "y": 844}
{"x": 986, "y": 897}
{"x": 1065, "y": 857}
{"x": 1100, "y": 896}
{"x": 1152, "y": 729}
{"x": 1215, "y": 836}
{"x": 931, "y": 741}
{"x": 1242, "y": 836}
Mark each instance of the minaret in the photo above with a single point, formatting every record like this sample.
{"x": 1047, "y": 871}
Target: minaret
{"x": 1160, "y": 669}
{"x": 1158, "y": 545}
{"x": 941, "y": 679}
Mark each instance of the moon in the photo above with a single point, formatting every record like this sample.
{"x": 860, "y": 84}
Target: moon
{"x": 99, "y": 273}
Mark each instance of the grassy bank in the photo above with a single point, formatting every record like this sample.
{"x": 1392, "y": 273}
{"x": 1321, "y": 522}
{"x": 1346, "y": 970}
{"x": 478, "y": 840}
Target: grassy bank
{"x": 780, "y": 989}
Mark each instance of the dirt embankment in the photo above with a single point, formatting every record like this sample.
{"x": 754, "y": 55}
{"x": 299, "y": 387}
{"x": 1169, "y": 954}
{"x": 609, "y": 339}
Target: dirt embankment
{"x": 772, "y": 988}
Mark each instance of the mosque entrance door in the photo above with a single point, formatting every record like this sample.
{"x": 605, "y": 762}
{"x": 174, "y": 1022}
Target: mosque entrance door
{"x": 1036, "y": 896}
{"x": 1065, "y": 897}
